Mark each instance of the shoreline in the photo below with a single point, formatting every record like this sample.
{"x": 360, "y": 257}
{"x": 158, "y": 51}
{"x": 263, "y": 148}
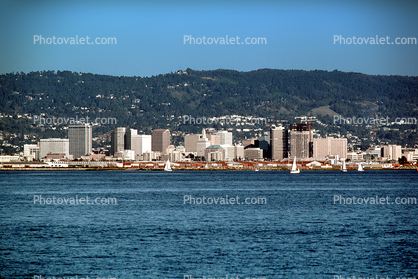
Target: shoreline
{"x": 415, "y": 168}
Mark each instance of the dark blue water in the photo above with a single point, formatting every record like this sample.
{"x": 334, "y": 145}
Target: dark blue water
{"x": 151, "y": 233}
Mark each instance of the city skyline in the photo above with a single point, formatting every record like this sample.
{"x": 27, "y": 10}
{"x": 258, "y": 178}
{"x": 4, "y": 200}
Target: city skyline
{"x": 282, "y": 144}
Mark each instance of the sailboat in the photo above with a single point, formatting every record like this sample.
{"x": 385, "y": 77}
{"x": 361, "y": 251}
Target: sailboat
{"x": 294, "y": 168}
{"x": 167, "y": 166}
{"x": 360, "y": 167}
{"x": 344, "y": 168}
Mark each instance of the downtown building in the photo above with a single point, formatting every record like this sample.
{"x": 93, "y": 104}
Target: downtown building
{"x": 197, "y": 143}
{"x": 54, "y": 146}
{"x": 225, "y": 137}
{"x": 31, "y": 152}
{"x": 391, "y": 152}
{"x": 190, "y": 142}
{"x": 300, "y": 141}
{"x": 117, "y": 140}
{"x": 161, "y": 139}
{"x": 139, "y": 144}
{"x": 326, "y": 147}
{"x": 278, "y": 143}
{"x": 80, "y": 140}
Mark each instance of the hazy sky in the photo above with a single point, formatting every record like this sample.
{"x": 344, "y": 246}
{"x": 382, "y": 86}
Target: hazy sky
{"x": 150, "y": 36}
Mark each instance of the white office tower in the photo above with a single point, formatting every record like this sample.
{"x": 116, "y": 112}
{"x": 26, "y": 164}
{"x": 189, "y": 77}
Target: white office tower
{"x": 202, "y": 144}
{"x": 139, "y": 144}
{"x": 392, "y": 152}
{"x": 54, "y": 146}
{"x": 31, "y": 152}
{"x": 239, "y": 152}
{"x": 229, "y": 152}
{"x": 324, "y": 147}
{"x": 225, "y": 137}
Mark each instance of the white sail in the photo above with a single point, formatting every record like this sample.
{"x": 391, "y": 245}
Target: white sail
{"x": 167, "y": 166}
{"x": 344, "y": 168}
{"x": 294, "y": 168}
{"x": 360, "y": 167}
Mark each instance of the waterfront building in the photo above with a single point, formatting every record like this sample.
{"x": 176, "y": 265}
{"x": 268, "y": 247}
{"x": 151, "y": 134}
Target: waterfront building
{"x": 278, "y": 143}
{"x": 160, "y": 140}
{"x": 117, "y": 140}
{"x": 31, "y": 152}
{"x": 225, "y": 137}
{"x": 325, "y": 147}
{"x": 54, "y": 146}
{"x": 80, "y": 140}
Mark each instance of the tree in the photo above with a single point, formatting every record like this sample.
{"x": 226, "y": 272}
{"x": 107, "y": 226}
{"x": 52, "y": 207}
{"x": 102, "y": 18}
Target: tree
{"x": 402, "y": 160}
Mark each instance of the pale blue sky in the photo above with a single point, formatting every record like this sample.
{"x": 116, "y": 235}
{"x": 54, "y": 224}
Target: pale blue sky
{"x": 150, "y": 36}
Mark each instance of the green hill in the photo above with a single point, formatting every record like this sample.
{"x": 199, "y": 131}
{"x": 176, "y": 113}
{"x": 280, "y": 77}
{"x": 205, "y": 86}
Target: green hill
{"x": 160, "y": 101}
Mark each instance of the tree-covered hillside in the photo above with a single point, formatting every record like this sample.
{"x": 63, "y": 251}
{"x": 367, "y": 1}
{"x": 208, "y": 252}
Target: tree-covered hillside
{"x": 160, "y": 101}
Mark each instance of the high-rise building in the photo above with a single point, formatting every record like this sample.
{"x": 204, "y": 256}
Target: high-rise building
{"x": 300, "y": 137}
{"x": 202, "y": 144}
{"x": 278, "y": 143}
{"x": 137, "y": 143}
{"x": 229, "y": 152}
{"x": 117, "y": 140}
{"x": 161, "y": 139}
{"x": 392, "y": 152}
{"x": 54, "y": 146}
{"x": 190, "y": 142}
{"x": 129, "y": 138}
{"x": 323, "y": 147}
{"x": 225, "y": 137}
{"x": 31, "y": 151}
{"x": 239, "y": 152}
{"x": 80, "y": 139}
{"x": 214, "y": 139}
{"x": 264, "y": 144}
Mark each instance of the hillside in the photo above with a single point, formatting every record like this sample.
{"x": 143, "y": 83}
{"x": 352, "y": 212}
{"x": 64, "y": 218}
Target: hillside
{"x": 161, "y": 101}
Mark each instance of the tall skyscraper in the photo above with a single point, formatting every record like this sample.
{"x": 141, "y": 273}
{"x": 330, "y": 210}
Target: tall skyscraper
{"x": 225, "y": 137}
{"x": 190, "y": 142}
{"x": 264, "y": 144}
{"x": 129, "y": 138}
{"x": 117, "y": 140}
{"x": 392, "y": 152}
{"x": 138, "y": 143}
{"x": 160, "y": 139}
{"x": 81, "y": 140}
{"x": 300, "y": 141}
{"x": 278, "y": 143}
